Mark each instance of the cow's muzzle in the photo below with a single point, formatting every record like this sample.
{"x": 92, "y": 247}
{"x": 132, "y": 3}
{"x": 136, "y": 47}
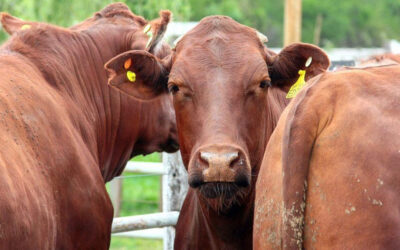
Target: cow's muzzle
{"x": 219, "y": 164}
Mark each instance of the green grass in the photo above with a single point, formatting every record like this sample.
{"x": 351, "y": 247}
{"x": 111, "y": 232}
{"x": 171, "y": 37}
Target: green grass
{"x": 140, "y": 195}
{"x": 118, "y": 243}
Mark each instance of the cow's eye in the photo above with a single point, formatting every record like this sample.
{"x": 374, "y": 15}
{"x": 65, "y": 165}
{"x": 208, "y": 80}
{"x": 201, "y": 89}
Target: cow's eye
{"x": 265, "y": 83}
{"x": 173, "y": 88}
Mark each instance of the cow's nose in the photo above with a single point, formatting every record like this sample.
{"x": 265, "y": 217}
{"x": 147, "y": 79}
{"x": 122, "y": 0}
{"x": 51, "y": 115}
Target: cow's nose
{"x": 218, "y": 160}
{"x": 223, "y": 164}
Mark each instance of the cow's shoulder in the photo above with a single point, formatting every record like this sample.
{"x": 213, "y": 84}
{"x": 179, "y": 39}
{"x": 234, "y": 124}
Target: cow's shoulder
{"x": 352, "y": 90}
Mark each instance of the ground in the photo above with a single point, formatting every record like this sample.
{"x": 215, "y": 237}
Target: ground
{"x": 140, "y": 195}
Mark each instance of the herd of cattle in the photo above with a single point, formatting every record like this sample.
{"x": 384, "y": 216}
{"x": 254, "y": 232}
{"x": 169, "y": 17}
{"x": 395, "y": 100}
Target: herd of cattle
{"x": 266, "y": 172}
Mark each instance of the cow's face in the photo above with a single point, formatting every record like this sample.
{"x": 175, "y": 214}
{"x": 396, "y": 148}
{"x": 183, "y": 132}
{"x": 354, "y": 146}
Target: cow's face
{"x": 221, "y": 75}
{"x": 220, "y": 82}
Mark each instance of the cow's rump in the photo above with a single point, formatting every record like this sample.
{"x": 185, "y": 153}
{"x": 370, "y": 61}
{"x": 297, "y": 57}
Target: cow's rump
{"x": 333, "y": 163}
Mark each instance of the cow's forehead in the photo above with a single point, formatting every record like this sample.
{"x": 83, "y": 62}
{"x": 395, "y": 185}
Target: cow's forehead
{"x": 233, "y": 55}
{"x": 200, "y": 66}
{"x": 219, "y": 29}
{"x": 218, "y": 46}
{"x": 217, "y": 54}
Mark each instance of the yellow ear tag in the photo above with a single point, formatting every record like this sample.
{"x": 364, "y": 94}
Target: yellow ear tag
{"x": 128, "y": 63}
{"x": 25, "y": 27}
{"x": 131, "y": 76}
{"x": 147, "y": 28}
{"x": 298, "y": 85}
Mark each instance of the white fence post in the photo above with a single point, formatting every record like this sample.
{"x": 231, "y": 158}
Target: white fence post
{"x": 115, "y": 195}
{"x": 175, "y": 187}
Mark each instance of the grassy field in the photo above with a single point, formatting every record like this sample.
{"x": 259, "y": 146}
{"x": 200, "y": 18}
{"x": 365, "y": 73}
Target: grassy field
{"x": 140, "y": 195}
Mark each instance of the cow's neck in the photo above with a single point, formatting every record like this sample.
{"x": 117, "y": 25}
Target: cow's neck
{"x": 276, "y": 103}
{"x": 73, "y": 63}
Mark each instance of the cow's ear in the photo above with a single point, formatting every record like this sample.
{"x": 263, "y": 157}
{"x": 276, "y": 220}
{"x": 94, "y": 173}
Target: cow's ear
{"x": 138, "y": 74}
{"x": 156, "y": 29}
{"x": 12, "y": 24}
{"x": 284, "y": 67}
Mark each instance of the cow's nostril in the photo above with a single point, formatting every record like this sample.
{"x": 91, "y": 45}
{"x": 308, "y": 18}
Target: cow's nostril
{"x": 242, "y": 180}
{"x": 195, "y": 180}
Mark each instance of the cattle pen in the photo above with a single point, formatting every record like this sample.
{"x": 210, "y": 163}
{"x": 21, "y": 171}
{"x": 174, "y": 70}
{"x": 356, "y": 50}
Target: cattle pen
{"x": 154, "y": 225}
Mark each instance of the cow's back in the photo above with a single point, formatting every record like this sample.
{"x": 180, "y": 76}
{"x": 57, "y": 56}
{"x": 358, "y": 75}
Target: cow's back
{"x": 352, "y": 178}
{"x": 45, "y": 177}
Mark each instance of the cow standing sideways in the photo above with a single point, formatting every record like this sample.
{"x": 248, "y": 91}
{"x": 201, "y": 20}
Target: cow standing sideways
{"x": 65, "y": 132}
{"x": 330, "y": 175}
{"x": 228, "y": 93}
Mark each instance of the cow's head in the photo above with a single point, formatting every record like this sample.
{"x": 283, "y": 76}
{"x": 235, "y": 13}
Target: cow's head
{"x": 114, "y": 30}
{"x": 222, "y": 79}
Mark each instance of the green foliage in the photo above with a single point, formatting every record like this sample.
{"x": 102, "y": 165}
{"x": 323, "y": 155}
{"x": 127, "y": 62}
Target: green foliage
{"x": 266, "y": 16}
{"x": 351, "y": 23}
{"x": 154, "y": 157}
{"x": 362, "y": 23}
{"x": 150, "y": 8}
{"x": 345, "y": 23}
{"x": 69, "y": 12}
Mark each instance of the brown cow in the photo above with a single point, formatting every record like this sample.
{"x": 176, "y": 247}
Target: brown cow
{"x": 65, "y": 132}
{"x": 228, "y": 95}
{"x": 330, "y": 175}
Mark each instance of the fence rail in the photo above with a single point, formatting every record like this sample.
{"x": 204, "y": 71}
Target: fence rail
{"x": 137, "y": 222}
{"x": 145, "y": 168}
{"x": 151, "y": 233}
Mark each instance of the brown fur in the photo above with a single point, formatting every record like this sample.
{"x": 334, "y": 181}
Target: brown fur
{"x": 329, "y": 175}
{"x": 218, "y": 67}
{"x": 382, "y": 58}
{"x": 65, "y": 132}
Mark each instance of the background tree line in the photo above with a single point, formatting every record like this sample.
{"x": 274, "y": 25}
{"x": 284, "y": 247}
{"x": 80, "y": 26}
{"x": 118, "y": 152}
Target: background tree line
{"x": 343, "y": 23}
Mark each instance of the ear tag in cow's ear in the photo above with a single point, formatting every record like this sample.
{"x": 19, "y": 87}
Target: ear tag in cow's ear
{"x": 308, "y": 62}
{"x": 298, "y": 85}
{"x": 128, "y": 63}
{"x": 131, "y": 76}
{"x": 25, "y": 27}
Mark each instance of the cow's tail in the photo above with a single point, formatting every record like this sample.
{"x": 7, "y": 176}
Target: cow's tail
{"x": 299, "y": 136}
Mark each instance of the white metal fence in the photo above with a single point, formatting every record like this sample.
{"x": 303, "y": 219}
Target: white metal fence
{"x": 156, "y": 225}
